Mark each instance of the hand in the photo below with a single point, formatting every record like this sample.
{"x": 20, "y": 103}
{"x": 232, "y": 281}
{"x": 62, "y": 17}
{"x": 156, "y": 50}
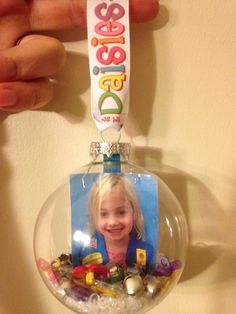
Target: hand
{"x": 27, "y": 60}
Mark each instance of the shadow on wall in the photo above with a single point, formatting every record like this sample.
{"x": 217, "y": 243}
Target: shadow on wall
{"x": 14, "y": 264}
{"x": 208, "y": 227}
{"x": 144, "y": 78}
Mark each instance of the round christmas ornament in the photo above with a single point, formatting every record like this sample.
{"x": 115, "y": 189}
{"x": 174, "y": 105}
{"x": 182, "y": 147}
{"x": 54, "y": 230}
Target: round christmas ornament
{"x": 112, "y": 238}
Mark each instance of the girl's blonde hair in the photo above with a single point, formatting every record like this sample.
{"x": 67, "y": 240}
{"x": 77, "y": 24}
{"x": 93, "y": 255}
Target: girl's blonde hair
{"x": 103, "y": 185}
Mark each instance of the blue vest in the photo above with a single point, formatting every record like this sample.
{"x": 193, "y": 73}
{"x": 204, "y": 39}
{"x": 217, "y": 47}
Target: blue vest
{"x": 137, "y": 250}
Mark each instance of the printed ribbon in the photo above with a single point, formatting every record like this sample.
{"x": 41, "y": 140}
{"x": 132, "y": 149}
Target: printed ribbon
{"x": 109, "y": 61}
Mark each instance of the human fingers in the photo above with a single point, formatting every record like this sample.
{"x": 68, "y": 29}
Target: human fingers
{"x": 18, "y": 96}
{"x": 36, "y": 56}
{"x": 143, "y": 10}
{"x": 60, "y": 14}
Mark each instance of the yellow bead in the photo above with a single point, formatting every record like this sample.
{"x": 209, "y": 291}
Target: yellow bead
{"x": 89, "y": 279}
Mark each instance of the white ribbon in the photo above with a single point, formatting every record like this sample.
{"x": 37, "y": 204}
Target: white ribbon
{"x": 109, "y": 61}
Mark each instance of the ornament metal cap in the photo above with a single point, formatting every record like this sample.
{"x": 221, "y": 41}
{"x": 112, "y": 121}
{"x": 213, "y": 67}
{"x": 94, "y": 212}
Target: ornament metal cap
{"x": 109, "y": 149}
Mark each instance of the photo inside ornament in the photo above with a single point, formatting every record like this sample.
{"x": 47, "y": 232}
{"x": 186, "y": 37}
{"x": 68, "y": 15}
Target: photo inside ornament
{"x": 113, "y": 238}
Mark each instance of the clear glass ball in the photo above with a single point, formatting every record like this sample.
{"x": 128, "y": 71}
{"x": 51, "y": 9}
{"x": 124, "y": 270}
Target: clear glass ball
{"x": 135, "y": 288}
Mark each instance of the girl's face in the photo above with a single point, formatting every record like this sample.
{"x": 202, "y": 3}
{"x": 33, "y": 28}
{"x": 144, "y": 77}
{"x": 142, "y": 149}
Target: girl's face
{"x": 115, "y": 216}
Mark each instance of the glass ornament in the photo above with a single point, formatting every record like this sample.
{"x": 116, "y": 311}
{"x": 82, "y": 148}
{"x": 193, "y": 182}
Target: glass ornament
{"x": 96, "y": 283}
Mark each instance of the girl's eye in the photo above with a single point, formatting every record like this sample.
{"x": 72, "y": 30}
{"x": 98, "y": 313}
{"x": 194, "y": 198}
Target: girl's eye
{"x": 103, "y": 214}
{"x": 121, "y": 212}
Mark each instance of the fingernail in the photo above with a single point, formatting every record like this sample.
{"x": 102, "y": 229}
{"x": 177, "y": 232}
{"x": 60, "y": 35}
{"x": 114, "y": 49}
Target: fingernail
{"x": 7, "y": 98}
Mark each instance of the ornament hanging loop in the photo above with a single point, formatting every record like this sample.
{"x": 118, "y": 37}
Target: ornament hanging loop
{"x": 113, "y": 141}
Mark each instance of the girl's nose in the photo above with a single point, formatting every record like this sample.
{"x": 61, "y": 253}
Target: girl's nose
{"x": 112, "y": 221}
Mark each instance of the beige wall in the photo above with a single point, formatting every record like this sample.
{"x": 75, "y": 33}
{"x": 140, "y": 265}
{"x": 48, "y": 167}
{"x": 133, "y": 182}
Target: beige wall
{"x": 182, "y": 120}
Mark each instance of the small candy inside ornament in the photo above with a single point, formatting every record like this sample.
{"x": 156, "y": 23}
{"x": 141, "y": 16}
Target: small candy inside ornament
{"x": 113, "y": 238}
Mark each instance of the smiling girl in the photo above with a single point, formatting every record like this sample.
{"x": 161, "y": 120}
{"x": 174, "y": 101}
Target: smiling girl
{"x": 116, "y": 223}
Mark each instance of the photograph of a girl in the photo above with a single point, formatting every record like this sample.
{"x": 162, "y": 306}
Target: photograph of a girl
{"x": 116, "y": 224}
